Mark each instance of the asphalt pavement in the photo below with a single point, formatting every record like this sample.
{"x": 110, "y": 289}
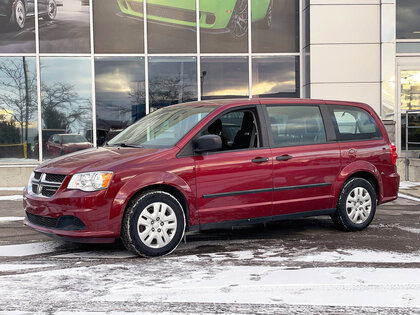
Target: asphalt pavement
{"x": 300, "y": 266}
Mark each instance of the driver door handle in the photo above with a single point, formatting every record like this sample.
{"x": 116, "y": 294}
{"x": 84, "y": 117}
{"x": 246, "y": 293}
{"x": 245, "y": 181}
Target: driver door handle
{"x": 260, "y": 160}
{"x": 284, "y": 157}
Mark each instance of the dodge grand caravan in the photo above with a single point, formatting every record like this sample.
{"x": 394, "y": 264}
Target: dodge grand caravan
{"x": 203, "y": 165}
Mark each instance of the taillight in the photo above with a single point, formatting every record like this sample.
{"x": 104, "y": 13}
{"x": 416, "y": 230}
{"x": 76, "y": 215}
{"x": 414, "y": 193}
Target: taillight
{"x": 394, "y": 155}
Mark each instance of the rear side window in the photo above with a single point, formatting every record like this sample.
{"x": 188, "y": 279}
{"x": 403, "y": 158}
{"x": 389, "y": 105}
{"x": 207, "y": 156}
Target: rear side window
{"x": 296, "y": 125}
{"x": 354, "y": 124}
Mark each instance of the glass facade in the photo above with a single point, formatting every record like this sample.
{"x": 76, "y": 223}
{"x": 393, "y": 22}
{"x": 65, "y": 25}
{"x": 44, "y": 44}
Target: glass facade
{"x": 84, "y": 70}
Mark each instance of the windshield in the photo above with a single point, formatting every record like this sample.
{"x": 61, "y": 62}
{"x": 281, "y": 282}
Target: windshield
{"x": 162, "y": 128}
{"x": 73, "y": 139}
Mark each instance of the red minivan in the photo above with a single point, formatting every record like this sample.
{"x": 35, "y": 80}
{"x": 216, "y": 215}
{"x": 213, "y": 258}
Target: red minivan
{"x": 204, "y": 165}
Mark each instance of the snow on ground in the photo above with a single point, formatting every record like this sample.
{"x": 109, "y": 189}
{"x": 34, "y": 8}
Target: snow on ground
{"x": 28, "y": 249}
{"x": 14, "y": 267}
{"x": 185, "y": 281}
{"x": 408, "y": 185}
{"x": 9, "y": 219}
{"x": 11, "y": 188}
{"x": 11, "y": 197}
{"x": 409, "y": 229}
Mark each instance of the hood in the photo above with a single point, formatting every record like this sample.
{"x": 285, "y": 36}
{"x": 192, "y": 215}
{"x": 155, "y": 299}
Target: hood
{"x": 99, "y": 159}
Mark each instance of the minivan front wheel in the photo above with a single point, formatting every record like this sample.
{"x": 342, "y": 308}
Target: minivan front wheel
{"x": 356, "y": 205}
{"x": 153, "y": 225}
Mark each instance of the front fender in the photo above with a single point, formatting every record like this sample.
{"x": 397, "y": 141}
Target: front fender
{"x": 352, "y": 168}
{"x": 129, "y": 189}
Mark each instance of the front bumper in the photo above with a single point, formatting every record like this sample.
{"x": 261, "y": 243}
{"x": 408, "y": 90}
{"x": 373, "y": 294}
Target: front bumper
{"x": 56, "y": 216}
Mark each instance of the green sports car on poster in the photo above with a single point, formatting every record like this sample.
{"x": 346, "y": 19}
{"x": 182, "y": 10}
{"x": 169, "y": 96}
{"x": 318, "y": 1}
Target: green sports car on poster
{"x": 215, "y": 15}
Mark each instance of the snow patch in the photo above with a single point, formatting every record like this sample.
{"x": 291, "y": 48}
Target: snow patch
{"x": 356, "y": 255}
{"x": 98, "y": 254}
{"x": 408, "y": 185}
{"x": 12, "y": 188}
{"x": 13, "y": 267}
{"x": 8, "y": 219}
{"x": 409, "y": 229}
{"x": 11, "y": 197}
{"x": 27, "y": 249}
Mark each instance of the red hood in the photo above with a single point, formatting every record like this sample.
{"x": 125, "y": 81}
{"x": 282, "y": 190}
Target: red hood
{"x": 99, "y": 159}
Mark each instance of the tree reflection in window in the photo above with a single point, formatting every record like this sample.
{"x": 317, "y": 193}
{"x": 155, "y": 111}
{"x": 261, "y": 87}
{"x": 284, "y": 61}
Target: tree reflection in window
{"x": 18, "y": 108}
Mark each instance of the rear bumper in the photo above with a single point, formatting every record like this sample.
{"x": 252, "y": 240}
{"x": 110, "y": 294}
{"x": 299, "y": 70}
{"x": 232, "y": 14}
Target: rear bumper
{"x": 391, "y": 184}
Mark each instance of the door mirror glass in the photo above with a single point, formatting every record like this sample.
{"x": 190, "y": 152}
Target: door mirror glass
{"x": 208, "y": 143}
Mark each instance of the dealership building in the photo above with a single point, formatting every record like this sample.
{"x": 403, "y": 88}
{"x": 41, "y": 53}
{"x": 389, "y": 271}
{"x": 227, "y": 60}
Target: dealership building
{"x": 82, "y": 71}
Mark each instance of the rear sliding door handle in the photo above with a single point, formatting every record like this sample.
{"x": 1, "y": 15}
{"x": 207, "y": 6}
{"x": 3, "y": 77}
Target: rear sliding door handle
{"x": 283, "y": 157}
{"x": 260, "y": 160}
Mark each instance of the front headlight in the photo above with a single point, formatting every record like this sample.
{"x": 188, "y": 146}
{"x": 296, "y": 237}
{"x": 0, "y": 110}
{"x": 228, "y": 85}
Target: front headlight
{"x": 91, "y": 181}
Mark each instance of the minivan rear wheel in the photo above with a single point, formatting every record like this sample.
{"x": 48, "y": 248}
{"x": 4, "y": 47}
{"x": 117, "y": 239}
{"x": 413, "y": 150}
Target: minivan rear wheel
{"x": 356, "y": 205}
{"x": 153, "y": 224}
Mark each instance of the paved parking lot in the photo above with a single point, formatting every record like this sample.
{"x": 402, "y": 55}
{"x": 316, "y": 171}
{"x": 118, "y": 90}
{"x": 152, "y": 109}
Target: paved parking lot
{"x": 302, "y": 266}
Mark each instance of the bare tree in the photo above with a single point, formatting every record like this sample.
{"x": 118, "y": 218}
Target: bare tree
{"x": 163, "y": 92}
{"x": 62, "y": 106}
{"x": 18, "y": 98}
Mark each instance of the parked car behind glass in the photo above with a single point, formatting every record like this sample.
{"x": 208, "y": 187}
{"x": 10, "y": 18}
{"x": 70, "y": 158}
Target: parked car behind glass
{"x": 60, "y": 144}
{"x": 15, "y": 12}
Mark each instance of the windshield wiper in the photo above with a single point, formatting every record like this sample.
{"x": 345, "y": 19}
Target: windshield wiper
{"x": 125, "y": 145}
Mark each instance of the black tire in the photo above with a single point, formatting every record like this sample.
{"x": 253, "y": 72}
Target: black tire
{"x": 52, "y": 11}
{"x": 267, "y": 21}
{"x": 18, "y": 17}
{"x": 237, "y": 29}
{"x": 130, "y": 230}
{"x": 341, "y": 216}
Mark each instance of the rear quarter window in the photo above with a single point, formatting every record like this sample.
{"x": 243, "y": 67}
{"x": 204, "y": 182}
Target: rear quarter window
{"x": 354, "y": 123}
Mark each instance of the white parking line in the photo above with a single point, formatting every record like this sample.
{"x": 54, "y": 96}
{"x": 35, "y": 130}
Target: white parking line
{"x": 408, "y": 197}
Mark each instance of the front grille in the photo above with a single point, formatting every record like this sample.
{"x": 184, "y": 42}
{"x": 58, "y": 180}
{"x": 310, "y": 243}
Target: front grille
{"x": 42, "y": 221}
{"x": 164, "y": 11}
{"x": 48, "y": 191}
{"x": 171, "y": 13}
{"x": 46, "y": 185}
{"x": 54, "y": 178}
{"x": 65, "y": 222}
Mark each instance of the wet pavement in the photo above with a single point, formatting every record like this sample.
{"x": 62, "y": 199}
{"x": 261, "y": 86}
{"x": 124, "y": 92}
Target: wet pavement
{"x": 300, "y": 266}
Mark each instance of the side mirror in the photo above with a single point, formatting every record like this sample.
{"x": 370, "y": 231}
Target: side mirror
{"x": 208, "y": 143}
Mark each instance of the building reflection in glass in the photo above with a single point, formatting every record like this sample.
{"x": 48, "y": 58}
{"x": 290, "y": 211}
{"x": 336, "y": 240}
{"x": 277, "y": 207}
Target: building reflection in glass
{"x": 275, "y": 76}
{"x": 224, "y": 77}
{"x": 172, "y": 80}
{"x": 120, "y": 94}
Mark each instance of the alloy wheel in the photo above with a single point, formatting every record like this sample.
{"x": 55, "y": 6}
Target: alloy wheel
{"x": 239, "y": 23}
{"x": 52, "y": 9}
{"x": 20, "y": 14}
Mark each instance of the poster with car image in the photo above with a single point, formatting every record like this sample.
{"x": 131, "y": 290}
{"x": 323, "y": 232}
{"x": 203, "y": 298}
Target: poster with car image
{"x": 17, "y": 27}
{"x": 114, "y": 30}
{"x": 275, "y": 29}
{"x": 64, "y": 27}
